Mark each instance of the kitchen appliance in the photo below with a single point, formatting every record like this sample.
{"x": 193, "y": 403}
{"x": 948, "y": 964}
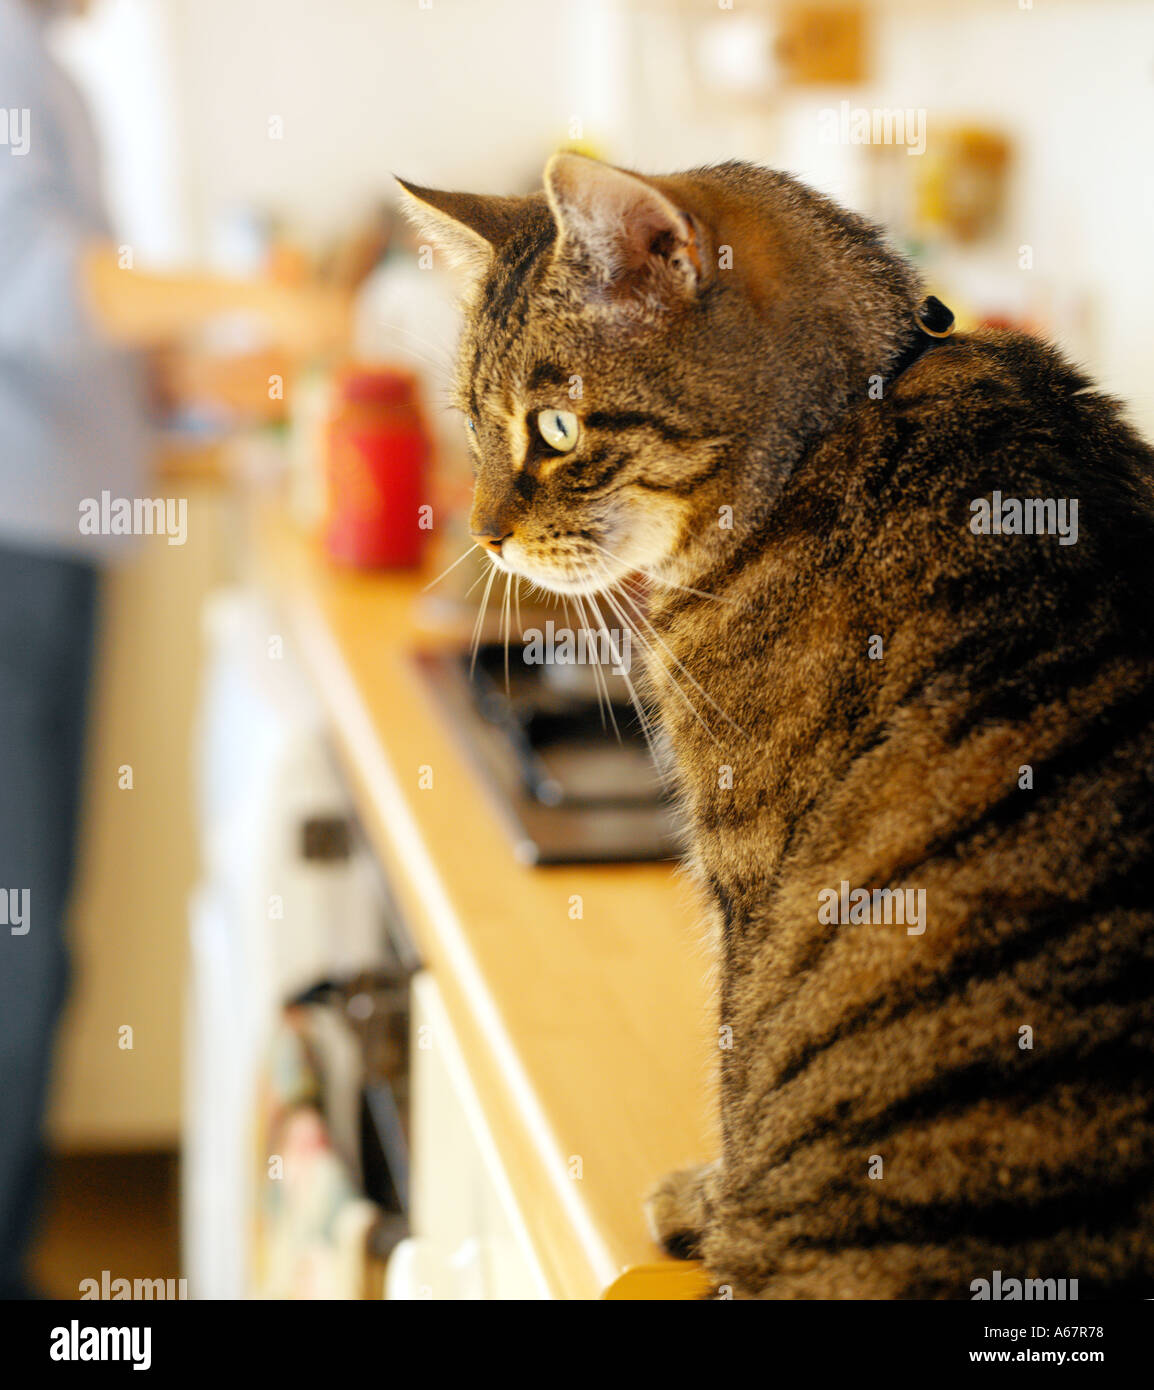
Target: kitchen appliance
{"x": 573, "y": 782}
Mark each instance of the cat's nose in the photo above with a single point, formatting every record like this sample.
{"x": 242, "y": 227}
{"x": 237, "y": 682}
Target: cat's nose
{"x": 491, "y": 540}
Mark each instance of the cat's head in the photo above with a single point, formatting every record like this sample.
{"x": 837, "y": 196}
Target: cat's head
{"x": 643, "y": 358}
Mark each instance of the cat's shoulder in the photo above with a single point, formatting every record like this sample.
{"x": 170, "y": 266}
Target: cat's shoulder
{"x": 995, "y": 374}
{"x": 995, "y": 388}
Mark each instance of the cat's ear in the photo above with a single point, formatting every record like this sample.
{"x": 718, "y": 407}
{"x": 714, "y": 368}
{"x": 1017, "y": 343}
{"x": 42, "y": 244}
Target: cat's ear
{"x": 466, "y": 227}
{"x": 626, "y": 229}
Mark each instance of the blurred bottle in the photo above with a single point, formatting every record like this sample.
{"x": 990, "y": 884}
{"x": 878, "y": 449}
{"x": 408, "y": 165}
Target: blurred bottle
{"x": 377, "y": 466}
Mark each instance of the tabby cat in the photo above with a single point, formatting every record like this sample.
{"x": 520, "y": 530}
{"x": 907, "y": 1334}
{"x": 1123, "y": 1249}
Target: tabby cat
{"x": 901, "y": 626}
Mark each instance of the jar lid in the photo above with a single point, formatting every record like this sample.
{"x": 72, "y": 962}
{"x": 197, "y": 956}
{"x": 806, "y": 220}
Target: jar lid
{"x": 380, "y": 385}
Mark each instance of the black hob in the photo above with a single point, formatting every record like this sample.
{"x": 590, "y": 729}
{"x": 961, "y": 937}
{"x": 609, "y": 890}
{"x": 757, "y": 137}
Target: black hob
{"x": 573, "y": 781}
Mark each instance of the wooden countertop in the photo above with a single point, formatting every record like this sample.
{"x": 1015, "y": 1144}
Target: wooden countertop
{"x": 591, "y": 1039}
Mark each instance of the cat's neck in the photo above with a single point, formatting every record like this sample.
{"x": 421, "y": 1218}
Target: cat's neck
{"x": 735, "y": 519}
{"x": 732, "y": 526}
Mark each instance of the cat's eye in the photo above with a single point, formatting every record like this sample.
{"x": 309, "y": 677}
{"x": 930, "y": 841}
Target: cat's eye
{"x": 469, "y": 425}
{"x": 558, "y": 429}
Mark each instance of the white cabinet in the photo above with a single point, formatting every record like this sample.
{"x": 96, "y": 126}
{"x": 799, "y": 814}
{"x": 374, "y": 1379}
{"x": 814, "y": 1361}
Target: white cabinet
{"x": 469, "y": 1239}
{"x": 267, "y": 919}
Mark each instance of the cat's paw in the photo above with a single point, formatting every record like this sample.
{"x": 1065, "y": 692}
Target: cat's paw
{"x": 677, "y": 1211}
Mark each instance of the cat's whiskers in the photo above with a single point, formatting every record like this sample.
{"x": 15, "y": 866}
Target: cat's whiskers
{"x": 442, "y": 362}
{"x": 599, "y": 677}
{"x": 569, "y": 622}
{"x": 481, "y": 618}
{"x": 668, "y": 583}
{"x": 654, "y": 659}
{"x": 638, "y": 616}
{"x": 628, "y": 683}
{"x": 475, "y": 582}
{"x": 505, "y": 616}
{"x": 459, "y": 560}
{"x": 650, "y": 654}
{"x": 584, "y": 620}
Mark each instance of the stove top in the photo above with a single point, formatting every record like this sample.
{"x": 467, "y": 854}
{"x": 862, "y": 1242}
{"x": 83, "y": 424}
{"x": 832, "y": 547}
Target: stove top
{"x": 569, "y": 786}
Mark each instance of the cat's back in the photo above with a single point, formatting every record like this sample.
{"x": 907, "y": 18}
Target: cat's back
{"x": 990, "y": 755}
{"x": 991, "y": 483}
{"x": 1010, "y": 411}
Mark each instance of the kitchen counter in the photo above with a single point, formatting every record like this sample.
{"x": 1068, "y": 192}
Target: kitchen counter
{"x": 591, "y": 1042}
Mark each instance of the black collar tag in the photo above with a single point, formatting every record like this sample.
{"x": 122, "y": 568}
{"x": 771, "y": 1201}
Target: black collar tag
{"x": 934, "y": 322}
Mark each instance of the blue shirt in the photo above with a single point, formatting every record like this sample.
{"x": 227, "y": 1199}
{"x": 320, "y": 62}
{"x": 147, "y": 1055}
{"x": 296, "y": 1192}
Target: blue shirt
{"x": 71, "y": 413}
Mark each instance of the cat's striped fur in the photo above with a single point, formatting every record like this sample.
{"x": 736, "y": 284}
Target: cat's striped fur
{"x": 880, "y": 697}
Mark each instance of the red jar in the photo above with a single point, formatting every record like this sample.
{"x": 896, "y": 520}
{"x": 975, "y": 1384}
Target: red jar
{"x": 378, "y": 455}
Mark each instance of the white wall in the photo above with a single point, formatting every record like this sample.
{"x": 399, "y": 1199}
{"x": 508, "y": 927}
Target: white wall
{"x": 1071, "y": 80}
{"x": 1075, "y": 83}
{"x": 475, "y": 93}
{"x": 472, "y": 93}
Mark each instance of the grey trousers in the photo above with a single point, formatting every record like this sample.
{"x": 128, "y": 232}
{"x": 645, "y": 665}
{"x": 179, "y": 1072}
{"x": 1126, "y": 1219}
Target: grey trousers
{"x": 47, "y": 621}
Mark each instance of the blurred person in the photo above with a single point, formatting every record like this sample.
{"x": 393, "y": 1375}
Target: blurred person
{"x": 72, "y": 425}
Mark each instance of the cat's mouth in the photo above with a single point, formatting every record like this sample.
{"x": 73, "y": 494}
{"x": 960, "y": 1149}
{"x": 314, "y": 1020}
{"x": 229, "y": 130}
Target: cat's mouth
{"x": 590, "y": 575}
{"x": 595, "y": 560}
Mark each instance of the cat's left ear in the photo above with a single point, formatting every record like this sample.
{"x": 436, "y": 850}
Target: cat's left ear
{"x": 467, "y": 228}
{"x": 628, "y": 230}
